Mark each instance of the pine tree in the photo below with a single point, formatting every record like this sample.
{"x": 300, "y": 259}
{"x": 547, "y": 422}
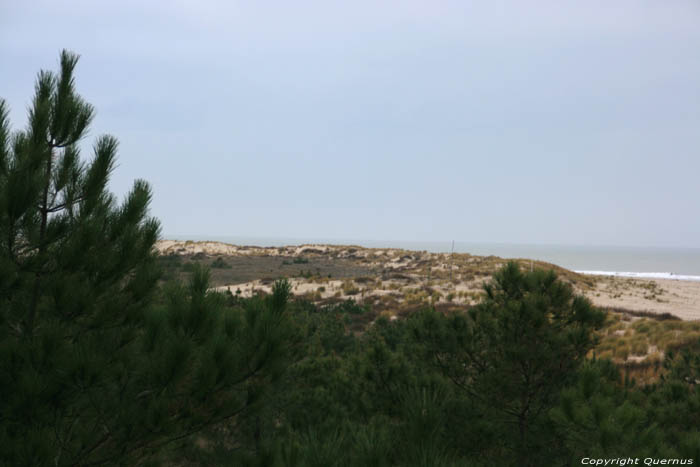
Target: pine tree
{"x": 602, "y": 416}
{"x": 77, "y": 269}
{"x": 93, "y": 369}
{"x": 511, "y": 356}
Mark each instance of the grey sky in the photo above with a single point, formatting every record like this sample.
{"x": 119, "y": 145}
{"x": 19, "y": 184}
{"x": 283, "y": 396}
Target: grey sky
{"x": 531, "y": 122}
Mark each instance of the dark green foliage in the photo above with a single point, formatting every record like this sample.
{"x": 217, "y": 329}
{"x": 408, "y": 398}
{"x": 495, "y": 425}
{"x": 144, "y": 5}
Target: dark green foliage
{"x": 347, "y": 306}
{"x": 170, "y": 266}
{"x": 94, "y": 370}
{"x": 506, "y": 383}
{"x": 599, "y": 416}
{"x": 674, "y": 403}
{"x": 235, "y": 359}
{"x": 296, "y": 260}
{"x": 512, "y": 354}
{"x": 76, "y": 272}
{"x": 219, "y": 263}
{"x": 466, "y": 388}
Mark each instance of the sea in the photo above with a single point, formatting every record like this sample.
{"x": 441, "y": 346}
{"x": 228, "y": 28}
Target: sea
{"x": 641, "y": 262}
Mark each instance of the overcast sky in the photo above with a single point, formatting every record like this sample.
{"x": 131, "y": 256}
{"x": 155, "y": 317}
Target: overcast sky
{"x": 565, "y": 122}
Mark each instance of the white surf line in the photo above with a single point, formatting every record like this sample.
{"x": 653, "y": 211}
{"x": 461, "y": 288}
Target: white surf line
{"x": 643, "y": 275}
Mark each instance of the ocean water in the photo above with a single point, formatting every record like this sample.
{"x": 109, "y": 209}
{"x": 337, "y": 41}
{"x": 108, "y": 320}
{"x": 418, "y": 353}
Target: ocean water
{"x": 668, "y": 263}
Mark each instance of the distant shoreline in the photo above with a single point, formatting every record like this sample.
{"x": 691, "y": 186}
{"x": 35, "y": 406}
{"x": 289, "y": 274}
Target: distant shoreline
{"x": 606, "y": 260}
{"x": 643, "y": 275}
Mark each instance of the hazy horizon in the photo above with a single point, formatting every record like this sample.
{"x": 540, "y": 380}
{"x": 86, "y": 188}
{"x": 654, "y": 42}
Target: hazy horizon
{"x": 669, "y": 261}
{"x": 552, "y": 123}
{"x": 275, "y": 240}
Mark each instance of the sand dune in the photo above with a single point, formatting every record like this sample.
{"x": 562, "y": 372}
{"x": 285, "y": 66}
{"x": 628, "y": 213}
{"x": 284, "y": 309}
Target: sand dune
{"x": 394, "y": 277}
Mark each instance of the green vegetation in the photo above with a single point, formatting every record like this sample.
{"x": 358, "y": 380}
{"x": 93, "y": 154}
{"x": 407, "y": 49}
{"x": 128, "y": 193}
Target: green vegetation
{"x": 645, "y": 339}
{"x": 100, "y": 367}
{"x": 297, "y": 260}
{"x": 219, "y": 263}
{"x": 103, "y": 364}
{"x": 349, "y": 288}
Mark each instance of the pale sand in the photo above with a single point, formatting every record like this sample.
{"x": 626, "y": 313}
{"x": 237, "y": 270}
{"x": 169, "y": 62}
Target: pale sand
{"x": 188, "y": 247}
{"x": 679, "y": 298}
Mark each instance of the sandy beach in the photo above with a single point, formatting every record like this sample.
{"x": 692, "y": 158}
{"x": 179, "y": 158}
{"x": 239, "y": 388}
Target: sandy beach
{"x": 678, "y": 297}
